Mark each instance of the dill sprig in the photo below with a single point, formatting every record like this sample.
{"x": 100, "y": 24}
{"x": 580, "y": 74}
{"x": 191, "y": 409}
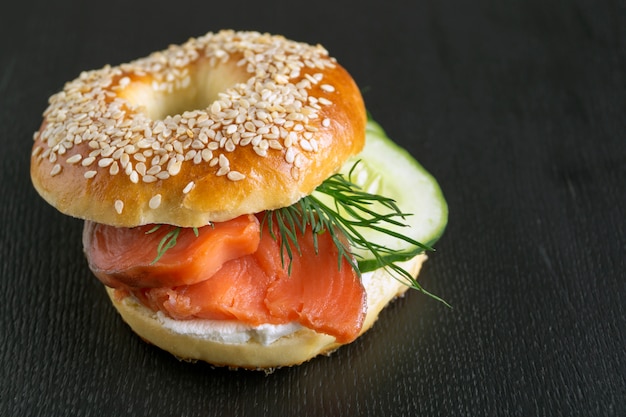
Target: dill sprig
{"x": 168, "y": 241}
{"x": 351, "y": 210}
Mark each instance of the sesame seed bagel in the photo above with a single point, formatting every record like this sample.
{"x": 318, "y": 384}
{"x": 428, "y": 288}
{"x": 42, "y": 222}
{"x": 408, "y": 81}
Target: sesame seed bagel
{"x": 289, "y": 350}
{"x": 226, "y": 124}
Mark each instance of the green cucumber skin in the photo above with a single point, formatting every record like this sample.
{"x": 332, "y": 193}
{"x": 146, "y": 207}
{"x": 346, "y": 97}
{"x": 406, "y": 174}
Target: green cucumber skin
{"x": 376, "y": 129}
{"x": 393, "y": 163}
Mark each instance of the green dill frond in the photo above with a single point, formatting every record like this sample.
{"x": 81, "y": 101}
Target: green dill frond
{"x": 168, "y": 241}
{"x": 351, "y": 211}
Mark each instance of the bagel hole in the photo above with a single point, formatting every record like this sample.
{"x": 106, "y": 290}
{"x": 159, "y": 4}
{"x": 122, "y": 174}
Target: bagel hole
{"x": 203, "y": 89}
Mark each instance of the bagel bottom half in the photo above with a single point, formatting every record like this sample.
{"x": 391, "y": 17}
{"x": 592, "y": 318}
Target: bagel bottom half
{"x": 289, "y": 350}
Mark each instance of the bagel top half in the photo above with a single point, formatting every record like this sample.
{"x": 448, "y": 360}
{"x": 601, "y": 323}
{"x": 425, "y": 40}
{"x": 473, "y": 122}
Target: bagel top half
{"x": 226, "y": 124}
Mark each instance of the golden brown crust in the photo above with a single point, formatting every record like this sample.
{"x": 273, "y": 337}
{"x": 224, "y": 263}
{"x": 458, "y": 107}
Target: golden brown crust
{"x": 122, "y": 146}
{"x": 289, "y": 350}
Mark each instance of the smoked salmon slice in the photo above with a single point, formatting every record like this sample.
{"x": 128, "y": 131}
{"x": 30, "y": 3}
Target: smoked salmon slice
{"x": 257, "y": 287}
{"x": 121, "y": 256}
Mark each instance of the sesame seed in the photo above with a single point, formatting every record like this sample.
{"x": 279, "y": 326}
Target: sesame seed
{"x": 216, "y": 107}
{"x": 327, "y": 87}
{"x": 88, "y": 161}
{"x": 144, "y": 143}
{"x": 289, "y": 140}
{"x": 295, "y": 172}
{"x": 107, "y": 151}
{"x": 105, "y": 162}
{"x": 118, "y": 153}
{"x": 207, "y": 155}
{"x": 155, "y": 202}
{"x": 235, "y": 176}
{"x": 298, "y": 160}
{"x": 163, "y": 175}
{"x": 154, "y": 169}
{"x": 306, "y": 145}
{"x": 140, "y": 157}
{"x": 174, "y": 167}
{"x": 188, "y": 187}
{"x": 229, "y": 146}
{"x": 56, "y": 169}
{"x": 290, "y": 155}
{"x": 119, "y": 206}
{"x": 74, "y": 158}
{"x": 325, "y": 101}
{"x": 223, "y": 161}
{"x": 260, "y": 151}
{"x": 115, "y": 168}
{"x": 274, "y": 144}
{"x": 140, "y": 168}
{"x": 90, "y": 174}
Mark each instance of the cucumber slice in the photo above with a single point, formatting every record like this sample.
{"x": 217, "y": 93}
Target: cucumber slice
{"x": 386, "y": 169}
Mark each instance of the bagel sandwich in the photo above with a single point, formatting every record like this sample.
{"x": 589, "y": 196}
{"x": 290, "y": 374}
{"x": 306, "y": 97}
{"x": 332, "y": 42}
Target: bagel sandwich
{"x": 240, "y": 207}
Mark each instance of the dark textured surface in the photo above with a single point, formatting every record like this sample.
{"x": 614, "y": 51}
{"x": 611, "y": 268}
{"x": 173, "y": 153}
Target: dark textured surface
{"x": 517, "y": 107}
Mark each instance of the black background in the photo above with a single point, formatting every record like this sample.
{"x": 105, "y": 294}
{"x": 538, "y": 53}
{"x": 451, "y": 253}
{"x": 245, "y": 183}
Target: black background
{"x": 517, "y": 107}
